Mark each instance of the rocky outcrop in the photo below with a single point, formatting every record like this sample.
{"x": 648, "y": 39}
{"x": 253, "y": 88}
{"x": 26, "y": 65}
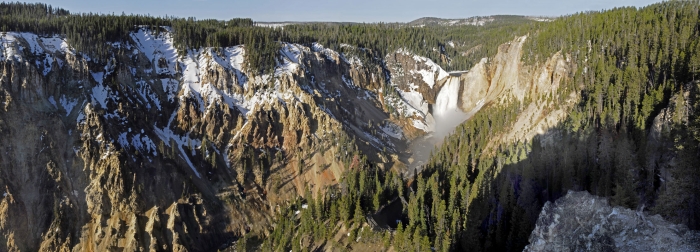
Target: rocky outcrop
{"x": 582, "y": 222}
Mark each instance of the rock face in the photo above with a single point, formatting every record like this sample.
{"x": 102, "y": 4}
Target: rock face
{"x": 155, "y": 149}
{"x": 582, "y": 222}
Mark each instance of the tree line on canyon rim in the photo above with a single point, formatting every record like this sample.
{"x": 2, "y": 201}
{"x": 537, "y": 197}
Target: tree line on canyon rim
{"x": 89, "y": 33}
{"x": 631, "y": 64}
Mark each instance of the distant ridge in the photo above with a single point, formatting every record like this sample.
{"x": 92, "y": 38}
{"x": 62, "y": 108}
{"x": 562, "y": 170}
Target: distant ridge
{"x": 476, "y": 21}
{"x": 427, "y": 21}
{"x": 285, "y": 23}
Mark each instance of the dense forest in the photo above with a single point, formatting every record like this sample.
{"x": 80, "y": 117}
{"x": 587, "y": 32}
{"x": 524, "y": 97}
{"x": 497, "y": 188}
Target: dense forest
{"x": 631, "y": 65}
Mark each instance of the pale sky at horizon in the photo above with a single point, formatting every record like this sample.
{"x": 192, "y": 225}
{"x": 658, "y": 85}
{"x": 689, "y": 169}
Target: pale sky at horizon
{"x": 341, "y": 11}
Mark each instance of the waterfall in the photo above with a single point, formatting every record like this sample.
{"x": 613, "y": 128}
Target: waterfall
{"x": 446, "y": 100}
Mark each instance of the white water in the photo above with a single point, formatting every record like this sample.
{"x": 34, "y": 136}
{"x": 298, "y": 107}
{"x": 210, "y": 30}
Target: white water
{"x": 446, "y": 100}
{"x": 447, "y": 116}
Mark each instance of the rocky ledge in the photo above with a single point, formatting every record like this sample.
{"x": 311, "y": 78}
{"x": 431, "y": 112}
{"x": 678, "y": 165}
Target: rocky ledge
{"x": 583, "y": 222}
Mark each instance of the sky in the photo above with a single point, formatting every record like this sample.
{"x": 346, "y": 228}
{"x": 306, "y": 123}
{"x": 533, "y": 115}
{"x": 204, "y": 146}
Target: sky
{"x": 368, "y": 11}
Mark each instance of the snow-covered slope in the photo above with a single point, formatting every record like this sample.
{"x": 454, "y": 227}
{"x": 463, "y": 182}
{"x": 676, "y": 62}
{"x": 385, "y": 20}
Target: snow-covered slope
{"x": 45, "y": 48}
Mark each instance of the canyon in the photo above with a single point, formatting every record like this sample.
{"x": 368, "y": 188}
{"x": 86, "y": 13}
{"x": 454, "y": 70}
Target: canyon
{"x": 161, "y": 149}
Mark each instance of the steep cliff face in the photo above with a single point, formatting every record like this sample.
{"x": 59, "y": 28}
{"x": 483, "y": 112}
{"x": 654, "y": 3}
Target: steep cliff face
{"x": 506, "y": 79}
{"x": 81, "y": 169}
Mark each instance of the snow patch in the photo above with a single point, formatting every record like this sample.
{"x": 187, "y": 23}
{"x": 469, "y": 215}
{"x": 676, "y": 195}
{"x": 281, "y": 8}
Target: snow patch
{"x": 100, "y": 94}
{"x": 55, "y": 44}
{"x": 351, "y": 60}
{"x": 170, "y": 87}
{"x": 190, "y": 79}
{"x": 81, "y": 118}
{"x": 52, "y": 101}
{"x": 348, "y": 81}
{"x": 392, "y": 130}
{"x": 293, "y": 52}
{"x": 144, "y": 144}
{"x": 287, "y": 66}
{"x": 144, "y": 89}
{"x": 330, "y": 54}
{"x": 430, "y": 76}
{"x": 434, "y": 74}
{"x": 43, "y": 48}
{"x": 158, "y": 48}
{"x": 415, "y": 100}
{"x": 123, "y": 141}
{"x": 205, "y": 94}
{"x": 31, "y": 39}
{"x": 98, "y": 76}
{"x": 10, "y": 46}
{"x": 235, "y": 57}
{"x": 67, "y": 104}
{"x": 418, "y": 124}
{"x": 167, "y": 135}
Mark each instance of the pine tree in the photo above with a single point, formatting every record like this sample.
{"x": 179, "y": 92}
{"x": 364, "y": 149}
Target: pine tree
{"x": 358, "y": 216}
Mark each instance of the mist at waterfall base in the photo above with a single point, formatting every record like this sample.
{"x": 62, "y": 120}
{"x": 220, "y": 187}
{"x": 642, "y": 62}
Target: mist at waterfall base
{"x": 445, "y": 124}
{"x": 447, "y": 116}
